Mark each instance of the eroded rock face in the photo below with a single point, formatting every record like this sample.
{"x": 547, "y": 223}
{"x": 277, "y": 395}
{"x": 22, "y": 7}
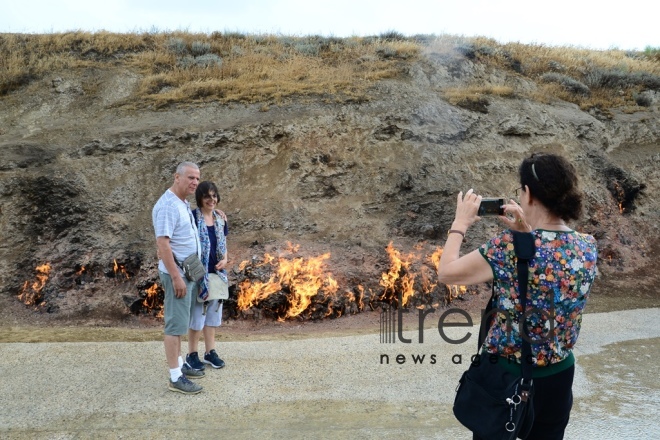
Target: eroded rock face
{"x": 78, "y": 180}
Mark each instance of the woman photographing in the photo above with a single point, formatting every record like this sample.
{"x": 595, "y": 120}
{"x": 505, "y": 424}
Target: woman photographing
{"x": 561, "y": 275}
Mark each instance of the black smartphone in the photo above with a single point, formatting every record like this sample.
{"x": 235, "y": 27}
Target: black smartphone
{"x": 491, "y": 206}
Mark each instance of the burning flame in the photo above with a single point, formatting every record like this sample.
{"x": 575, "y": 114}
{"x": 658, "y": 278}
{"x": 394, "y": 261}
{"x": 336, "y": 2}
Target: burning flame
{"x": 252, "y": 293}
{"x": 302, "y": 278}
{"x": 305, "y": 279}
{"x": 121, "y": 269}
{"x": 393, "y": 280}
{"x": 31, "y": 294}
{"x": 456, "y": 291}
{"x": 429, "y": 279}
{"x": 620, "y": 196}
{"x": 359, "y": 299}
{"x": 81, "y": 271}
{"x": 151, "y": 301}
{"x": 302, "y": 287}
{"x": 400, "y": 277}
{"x": 435, "y": 258}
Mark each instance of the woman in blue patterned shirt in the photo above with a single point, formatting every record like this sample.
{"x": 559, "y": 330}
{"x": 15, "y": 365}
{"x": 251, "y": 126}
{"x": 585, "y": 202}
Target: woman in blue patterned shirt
{"x": 206, "y": 317}
{"x": 561, "y": 275}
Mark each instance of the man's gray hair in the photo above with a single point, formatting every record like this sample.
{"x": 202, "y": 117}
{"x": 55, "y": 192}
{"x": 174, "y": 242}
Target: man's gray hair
{"x": 184, "y": 165}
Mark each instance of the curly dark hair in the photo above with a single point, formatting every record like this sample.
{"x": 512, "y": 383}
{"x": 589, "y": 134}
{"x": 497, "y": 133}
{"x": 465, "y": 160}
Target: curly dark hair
{"x": 553, "y": 181}
{"x": 203, "y": 189}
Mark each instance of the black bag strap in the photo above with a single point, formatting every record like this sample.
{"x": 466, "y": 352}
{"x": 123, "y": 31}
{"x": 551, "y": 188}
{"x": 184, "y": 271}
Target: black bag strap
{"x": 483, "y": 328}
{"x": 177, "y": 261}
{"x": 193, "y": 221}
{"x": 523, "y": 243}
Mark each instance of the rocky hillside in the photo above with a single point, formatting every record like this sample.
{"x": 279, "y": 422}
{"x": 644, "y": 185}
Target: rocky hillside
{"x": 80, "y": 172}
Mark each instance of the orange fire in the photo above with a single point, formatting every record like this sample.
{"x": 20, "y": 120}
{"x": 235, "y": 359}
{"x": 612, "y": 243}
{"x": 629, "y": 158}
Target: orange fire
{"x": 359, "y": 299}
{"x": 620, "y": 196}
{"x": 302, "y": 287}
{"x": 302, "y": 278}
{"x": 120, "y": 269}
{"x": 251, "y": 293}
{"x": 151, "y": 301}
{"x": 456, "y": 291}
{"x": 31, "y": 293}
{"x": 401, "y": 277}
{"x": 453, "y": 291}
{"x": 392, "y": 281}
{"x": 435, "y": 258}
{"x": 429, "y": 279}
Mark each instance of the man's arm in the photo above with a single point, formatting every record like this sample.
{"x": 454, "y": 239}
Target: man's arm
{"x": 165, "y": 254}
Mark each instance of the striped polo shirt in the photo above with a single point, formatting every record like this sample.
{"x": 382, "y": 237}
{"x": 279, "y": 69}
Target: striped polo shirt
{"x": 172, "y": 218}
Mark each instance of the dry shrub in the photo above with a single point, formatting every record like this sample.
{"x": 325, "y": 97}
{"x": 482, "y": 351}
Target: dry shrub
{"x": 652, "y": 53}
{"x": 548, "y": 93}
{"x": 590, "y": 78}
{"x": 569, "y": 84}
{"x": 604, "y": 99}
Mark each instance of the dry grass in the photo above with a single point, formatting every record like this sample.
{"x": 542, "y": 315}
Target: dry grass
{"x": 181, "y": 67}
{"x": 474, "y": 97}
{"x": 455, "y": 95}
{"x": 237, "y": 67}
{"x": 603, "y": 79}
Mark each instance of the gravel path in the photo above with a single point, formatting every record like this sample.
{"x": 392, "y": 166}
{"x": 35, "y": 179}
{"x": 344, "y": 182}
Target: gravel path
{"x": 333, "y": 387}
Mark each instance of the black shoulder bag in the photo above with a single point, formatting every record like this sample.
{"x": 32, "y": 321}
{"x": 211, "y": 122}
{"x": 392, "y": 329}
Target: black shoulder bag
{"x": 490, "y": 401}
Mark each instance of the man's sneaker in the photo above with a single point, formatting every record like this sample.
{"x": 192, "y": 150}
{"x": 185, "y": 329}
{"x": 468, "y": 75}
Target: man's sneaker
{"x": 185, "y": 386}
{"x": 193, "y": 360}
{"x": 213, "y": 360}
{"x": 190, "y": 372}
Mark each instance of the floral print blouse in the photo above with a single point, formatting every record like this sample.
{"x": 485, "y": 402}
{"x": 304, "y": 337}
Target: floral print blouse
{"x": 560, "y": 278}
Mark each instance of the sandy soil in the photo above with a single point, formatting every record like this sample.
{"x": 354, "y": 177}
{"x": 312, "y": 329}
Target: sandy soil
{"x": 332, "y": 387}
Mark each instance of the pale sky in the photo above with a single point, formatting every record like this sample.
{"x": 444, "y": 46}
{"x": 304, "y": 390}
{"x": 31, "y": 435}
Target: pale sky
{"x": 593, "y": 24}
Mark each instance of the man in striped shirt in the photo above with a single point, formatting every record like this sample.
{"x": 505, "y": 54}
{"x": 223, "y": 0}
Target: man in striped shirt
{"x": 177, "y": 237}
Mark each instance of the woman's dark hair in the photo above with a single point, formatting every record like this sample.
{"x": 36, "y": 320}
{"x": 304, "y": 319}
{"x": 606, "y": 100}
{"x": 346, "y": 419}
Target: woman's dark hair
{"x": 552, "y": 180}
{"x": 204, "y": 189}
